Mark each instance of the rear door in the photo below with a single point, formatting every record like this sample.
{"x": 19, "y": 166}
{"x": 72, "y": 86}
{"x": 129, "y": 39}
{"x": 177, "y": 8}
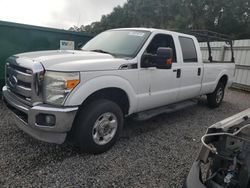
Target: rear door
{"x": 191, "y": 69}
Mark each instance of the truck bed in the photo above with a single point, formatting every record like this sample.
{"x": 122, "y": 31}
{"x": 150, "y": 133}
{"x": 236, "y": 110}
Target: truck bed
{"x": 215, "y": 70}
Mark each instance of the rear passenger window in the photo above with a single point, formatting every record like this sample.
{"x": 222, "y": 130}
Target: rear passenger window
{"x": 188, "y": 50}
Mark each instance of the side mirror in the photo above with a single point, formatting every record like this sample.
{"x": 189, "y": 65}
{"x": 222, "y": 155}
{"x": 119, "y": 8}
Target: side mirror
{"x": 164, "y": 58}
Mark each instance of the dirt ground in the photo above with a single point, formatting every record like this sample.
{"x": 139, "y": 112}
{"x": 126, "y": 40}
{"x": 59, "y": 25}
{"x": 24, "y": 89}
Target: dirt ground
{"x": 154, "y": 153}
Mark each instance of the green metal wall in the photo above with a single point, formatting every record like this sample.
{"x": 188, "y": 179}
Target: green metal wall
{"x": 18, "y": 38}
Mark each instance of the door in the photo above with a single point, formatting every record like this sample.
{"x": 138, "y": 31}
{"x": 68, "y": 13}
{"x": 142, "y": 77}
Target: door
{"x": 159, "y": 87}
{"x": 191, "y": 70}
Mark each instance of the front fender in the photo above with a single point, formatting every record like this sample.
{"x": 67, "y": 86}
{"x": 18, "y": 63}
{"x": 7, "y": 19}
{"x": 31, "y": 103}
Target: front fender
{"x": 86, "y": 88}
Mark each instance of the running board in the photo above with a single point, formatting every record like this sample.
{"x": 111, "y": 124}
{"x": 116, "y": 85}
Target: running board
{"x": 146, "y": 115}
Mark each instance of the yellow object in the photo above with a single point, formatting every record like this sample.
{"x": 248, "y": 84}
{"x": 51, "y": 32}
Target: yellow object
{"x": 72, "y": 83}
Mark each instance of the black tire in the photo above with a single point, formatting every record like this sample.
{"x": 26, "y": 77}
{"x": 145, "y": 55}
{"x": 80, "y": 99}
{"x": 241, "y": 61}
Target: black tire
{"x": 215, "y": 99}
{"x": 85, "y": 126}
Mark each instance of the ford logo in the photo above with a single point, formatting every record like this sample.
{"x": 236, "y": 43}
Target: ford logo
{"x": 13, "y": 81}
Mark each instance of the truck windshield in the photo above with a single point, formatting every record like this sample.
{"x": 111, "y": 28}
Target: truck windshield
{"x": 118, "y": 42}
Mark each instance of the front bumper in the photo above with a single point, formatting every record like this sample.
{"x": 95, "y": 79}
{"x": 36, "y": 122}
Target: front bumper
{"x": 193, "y": 179}
{"x": 26, "y": 116}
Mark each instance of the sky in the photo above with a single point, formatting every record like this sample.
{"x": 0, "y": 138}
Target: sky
{"x": 60, "y": 14}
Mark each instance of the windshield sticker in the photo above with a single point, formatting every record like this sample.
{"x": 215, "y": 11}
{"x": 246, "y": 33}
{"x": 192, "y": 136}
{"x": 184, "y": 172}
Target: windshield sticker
{"x": 134, "y": 33}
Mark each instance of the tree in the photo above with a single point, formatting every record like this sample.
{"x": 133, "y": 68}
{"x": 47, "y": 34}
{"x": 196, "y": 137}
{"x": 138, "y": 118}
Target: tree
{"x": 226, "y": 16}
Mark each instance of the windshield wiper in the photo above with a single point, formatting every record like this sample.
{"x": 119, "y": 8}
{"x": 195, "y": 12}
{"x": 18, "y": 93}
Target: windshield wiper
{"x": 101, "y": 51}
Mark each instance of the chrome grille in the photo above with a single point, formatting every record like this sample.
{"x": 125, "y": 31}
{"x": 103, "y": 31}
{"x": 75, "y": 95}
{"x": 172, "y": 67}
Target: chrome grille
{"x": 21, "y": 79}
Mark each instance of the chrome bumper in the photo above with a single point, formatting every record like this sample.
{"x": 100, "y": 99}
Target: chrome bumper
{"x": 25, "y": 117}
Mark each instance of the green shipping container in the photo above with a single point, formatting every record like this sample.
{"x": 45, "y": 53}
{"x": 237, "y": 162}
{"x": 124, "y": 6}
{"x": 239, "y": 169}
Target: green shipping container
{"x": 18, "y": 38}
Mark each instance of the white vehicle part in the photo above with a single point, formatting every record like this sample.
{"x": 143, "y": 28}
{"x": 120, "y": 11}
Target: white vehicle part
{"x": 89, "y": 86}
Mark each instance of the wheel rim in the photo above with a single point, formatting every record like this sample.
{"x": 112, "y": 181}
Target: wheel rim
{"x": 105, "y": 128}
{"x": 219, "y": 95}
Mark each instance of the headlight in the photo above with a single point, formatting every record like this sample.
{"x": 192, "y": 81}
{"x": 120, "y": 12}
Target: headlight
{"x": 58, "y": 85}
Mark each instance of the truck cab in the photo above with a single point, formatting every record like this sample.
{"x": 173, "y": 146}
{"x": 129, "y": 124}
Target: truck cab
{"x": 86, "y": 94}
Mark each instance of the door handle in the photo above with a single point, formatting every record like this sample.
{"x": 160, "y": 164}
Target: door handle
{"x": 199, "y": 71}
{"x": 178, "y": 74}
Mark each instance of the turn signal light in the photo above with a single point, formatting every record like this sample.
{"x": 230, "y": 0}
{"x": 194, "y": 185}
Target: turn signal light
{"x": 169, "y": 61}
{"x": 71, "y": 84}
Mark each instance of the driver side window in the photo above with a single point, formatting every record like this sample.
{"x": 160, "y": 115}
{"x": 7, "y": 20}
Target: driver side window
{"x": 161, "y": 40}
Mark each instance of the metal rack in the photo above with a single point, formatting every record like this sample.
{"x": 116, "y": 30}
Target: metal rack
{"x": 210, "y": 36}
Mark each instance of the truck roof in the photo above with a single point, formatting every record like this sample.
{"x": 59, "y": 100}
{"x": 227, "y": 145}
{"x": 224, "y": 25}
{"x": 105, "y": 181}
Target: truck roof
{"x": 154, "y": 30}
{"x": 199, "y": 35}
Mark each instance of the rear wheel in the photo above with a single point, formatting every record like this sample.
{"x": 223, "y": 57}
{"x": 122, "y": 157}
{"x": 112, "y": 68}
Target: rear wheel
{"x": 215, "y": 99}
{"x": 97, "y": 126}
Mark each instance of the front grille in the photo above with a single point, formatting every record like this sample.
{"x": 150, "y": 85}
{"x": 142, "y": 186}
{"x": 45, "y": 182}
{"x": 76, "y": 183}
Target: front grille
{"x": 21, "y": 69}
{"x": 20, "y": 79}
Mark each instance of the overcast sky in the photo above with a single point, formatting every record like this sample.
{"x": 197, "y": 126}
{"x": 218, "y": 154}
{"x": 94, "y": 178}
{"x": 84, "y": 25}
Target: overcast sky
{"x": 56, "y": 13}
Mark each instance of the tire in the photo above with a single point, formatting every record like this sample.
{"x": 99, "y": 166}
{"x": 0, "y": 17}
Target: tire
{"x": 97, "y": 126}
{"x": 215, "y": 99}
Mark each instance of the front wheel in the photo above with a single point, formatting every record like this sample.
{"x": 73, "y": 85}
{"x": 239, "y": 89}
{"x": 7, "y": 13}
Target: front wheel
{"x": 97, "y": 126}
{"x": 215, "y": 99}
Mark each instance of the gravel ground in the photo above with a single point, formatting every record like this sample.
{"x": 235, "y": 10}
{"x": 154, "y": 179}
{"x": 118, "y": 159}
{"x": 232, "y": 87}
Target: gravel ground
{"x": 154, "y": 153}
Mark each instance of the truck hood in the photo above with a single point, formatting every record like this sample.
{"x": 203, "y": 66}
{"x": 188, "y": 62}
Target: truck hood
{"x": 73, "y": 60}
{"x": 232, "y": 121}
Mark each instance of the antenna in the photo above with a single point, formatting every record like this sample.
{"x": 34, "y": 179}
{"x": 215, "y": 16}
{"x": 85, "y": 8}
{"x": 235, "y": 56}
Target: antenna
{"x": 78, "y": 20}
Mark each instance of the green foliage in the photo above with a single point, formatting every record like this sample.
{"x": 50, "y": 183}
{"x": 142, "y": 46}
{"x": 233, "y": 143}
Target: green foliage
{"x": 226, "y": 16}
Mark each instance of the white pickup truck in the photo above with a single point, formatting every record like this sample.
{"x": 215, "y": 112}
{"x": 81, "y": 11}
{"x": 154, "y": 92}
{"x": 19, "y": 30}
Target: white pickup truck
{"x": 87, "y": 93}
